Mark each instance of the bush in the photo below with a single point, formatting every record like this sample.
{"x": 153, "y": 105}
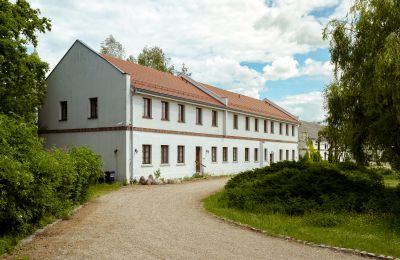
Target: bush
{"x": 298, "y": 187}
{"x": 36, "y": 184}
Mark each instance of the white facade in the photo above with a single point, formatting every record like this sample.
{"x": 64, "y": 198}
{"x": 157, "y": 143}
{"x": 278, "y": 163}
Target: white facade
{"x": 120, "y": 130}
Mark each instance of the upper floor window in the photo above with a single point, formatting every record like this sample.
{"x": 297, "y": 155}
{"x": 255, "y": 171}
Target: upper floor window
{"x": 280, "y": 128}
{"x": 247, "y": 123}
{"x": 146, "y": 152}
{"x": 63, "y": 111}
{"x": 272, "y": 127}
{"x": 287, "y": 129}
{"x": 93, "y": 107}
{"x": 235, "y": 149}
{"x": 256, "y": 154}
{"x": 213, "y": 154}
{"x": 181, "y": 154}
{"x": 181, "y": 113}
{"x": 265, "y": 126}
{"x": 198, "y": 116}
{"x": 293, "y": 130}
{"x": 164, "y": 154}
{"x": 164, "y": 110}
{"x": 256, "y": 124}
{"x": 235, "y": 122}
{"x": 146, "y": 107}
{"x": 214, "y": 118}
{"x": 224, "y": 154}
{"x": 246, "y": 154}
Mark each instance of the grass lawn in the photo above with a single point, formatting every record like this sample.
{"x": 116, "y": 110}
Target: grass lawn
{"x": 100, "y": 189}
{"x": 379, "y": 234}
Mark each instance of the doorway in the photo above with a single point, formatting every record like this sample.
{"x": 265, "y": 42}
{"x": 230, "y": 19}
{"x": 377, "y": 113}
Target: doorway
{"x": 198, "y": 159}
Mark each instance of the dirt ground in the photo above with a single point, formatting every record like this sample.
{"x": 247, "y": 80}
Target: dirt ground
{"x": 160, "y": 222}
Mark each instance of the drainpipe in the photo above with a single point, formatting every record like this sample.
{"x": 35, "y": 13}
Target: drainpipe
{"x": 131, "y": 93}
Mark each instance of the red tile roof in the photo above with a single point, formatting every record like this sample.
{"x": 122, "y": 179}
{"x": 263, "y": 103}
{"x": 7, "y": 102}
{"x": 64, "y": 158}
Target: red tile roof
{"x": 165, "y": 83}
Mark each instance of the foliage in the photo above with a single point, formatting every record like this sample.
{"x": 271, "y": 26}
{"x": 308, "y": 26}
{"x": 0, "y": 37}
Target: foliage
{"x": 22, "y": 75}
{"x": 312, "y": 154}
{"x": 35, "y": 184}
{"x": 184, "y": 70}
{"x": 298, "y": 187}
{"x": 157, "y": 173}
{"x": 363, "y": 102}
{"x": 112, "y": 47}
{"x": 132, "y": 59}
{"x": 154, "y": 57}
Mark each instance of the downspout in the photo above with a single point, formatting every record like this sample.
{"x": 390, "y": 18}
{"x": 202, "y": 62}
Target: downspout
{"x": 131, "y": 93}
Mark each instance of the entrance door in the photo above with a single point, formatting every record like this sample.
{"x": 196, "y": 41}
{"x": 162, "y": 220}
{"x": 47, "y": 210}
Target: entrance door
{"x": 198, "y": 159}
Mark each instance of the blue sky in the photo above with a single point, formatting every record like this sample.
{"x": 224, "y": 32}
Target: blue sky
{"x": 265, "y": 49}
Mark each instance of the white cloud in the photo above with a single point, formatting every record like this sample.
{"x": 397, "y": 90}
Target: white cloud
{"x": 282, "y": 68}
{"x": 308, "y": 106}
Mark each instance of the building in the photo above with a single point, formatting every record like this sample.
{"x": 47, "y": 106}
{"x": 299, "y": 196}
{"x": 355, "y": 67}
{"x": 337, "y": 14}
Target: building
{"x": 309, "y": 130}
{"x": 141, "y": 120}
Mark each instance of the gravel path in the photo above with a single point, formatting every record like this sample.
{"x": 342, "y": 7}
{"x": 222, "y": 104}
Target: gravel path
{"x": 160, "y": 222}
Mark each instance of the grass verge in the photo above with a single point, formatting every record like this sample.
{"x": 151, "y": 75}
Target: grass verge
{"x": 7, "y": 243}
{"x": 375, "y": 233}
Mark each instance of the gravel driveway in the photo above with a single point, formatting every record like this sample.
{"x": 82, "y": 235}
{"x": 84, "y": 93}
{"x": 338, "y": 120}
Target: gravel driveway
{"x": 160, "y": 222}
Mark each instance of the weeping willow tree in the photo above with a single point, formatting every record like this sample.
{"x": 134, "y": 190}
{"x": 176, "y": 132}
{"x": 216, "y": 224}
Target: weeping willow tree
{"x": 363, "y": 101}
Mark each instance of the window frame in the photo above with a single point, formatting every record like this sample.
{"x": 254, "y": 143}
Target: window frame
{"x": 164, "y": 110}
{"x": 224, "y": 154}
{"x": 214, "y": 118}
{"x": 247, "y": 123}
{"x": 235, "y": 121}
{"x": 164, "y": 154}
{"x": 256, "y": 124}
{"x": 265, "y": 126}
{"x": 287, "y": 155}
{"x": 199, "y": 119}
{"x": 234, "y": 154}
{"x": 93, "y": 108}
{"x": 280, "y": 154}
{"x": 144, "y": 152}
{"x": 147, "y": 108}
{"x": 63, "y": 110}
{"x": 214, "y": 157}
{"x": 272, "y": 127}
{"x": 181, "y": 113}
{"x": 256, "y": 155}
{"x": 247, "y": 154}
{"x": 180, "y": 158}
{"x": 280, "y": 128}
{"x": 293, "y": 130}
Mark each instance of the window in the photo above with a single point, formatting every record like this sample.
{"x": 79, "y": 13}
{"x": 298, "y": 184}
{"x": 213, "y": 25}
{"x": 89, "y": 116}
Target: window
{"x": 224, "y": 154}
{"x": 165, "y": 110}
{"x": 63, "y": 111}
{"x": 181, "y": 154}
{"x": 256, "y": 154}
{"x": 181, "y": 113}
{"x": 287, "y": 155}
{"x": 265, "y": 126}
{"x": 235, "y": 154}
{"x": 256, "y": 124}
{"x": 287, "y": 129}
{"x": 280, "y": 128}
{"x": 247, "y": 123}
{"x": 198, "y": 116}
{"x": 146, "y": 107}
{"x": 280, "y": 154}
{"x": 293, "y": 130}
{"x": 164, "y": 154}
{"x": 271, "y": 158}
{"x": 213, "y": 154}
{"x": 293, "y": 155}
{"x": 93, "y": 107}
{"x": 246, "y": 154}
{"x": 235, "y": 122}
{"x": 214, "y": 118}
{"x": 272, "y": 127}
{"x": 146, "y": 151}
{"x": 265, "y": 154}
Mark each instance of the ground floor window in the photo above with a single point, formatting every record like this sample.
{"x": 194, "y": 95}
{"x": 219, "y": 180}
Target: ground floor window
{"x": 256, "y": 154}
{"x": 164, "y": 154}
{"x": 280, "y": 154}
{"x": 146, "y": 151}
{"x": 235, "y": 154}
{"x": 225, "y": 154}
{"x": 293, "y": 155}
{"x": 287, "y": 154}
{"x": 181, "y": 154}
{"x": 213, "y": 154}
{"x": 265, "y": 154}
{"x": 246, "y": 154}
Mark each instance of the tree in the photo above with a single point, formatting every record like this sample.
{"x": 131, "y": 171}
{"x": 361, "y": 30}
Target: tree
{"x": 312, "y": 154}
{"x": 155, "y": 58}
{"x": 22, "y": 75}
{"x": 112, "y": 47}
{"x": 184, "y": 70}
{"x": 363, "y": 102}
{"x": 132, "y": 59}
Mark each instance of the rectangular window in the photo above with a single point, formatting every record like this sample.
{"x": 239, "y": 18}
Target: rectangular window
{"x": 213, "y": 154}
{"x": 225, "y": 154}
{"x": 280, "y": 154}
{"x": 272, "y": 127}
{"x": 247, "y": 123}
{"x": 235, "y": 122}
{"x": 198, "y": 116}
{"x": 265, "y": 126}
{"x": 293, "y": 155}
{"x": 265, "y": 154}
{"x": 63, "y": 111}
{"x": 293, "y": 130}
{"x": 93, "y": 107}
{"x": 164, "y": 154}
{"x": 146, "y": 107}
{"x": 214, "y": 118}
{"x": 165, "y": 110}
{"x": 235, "y": 149}
{"x": 280, "y": 129}
{"x": 181, "y": 113}
{"x": 256, "y": 124}
{"x": 181, "y": 154}
{"x": 256, "y": 154}
{"x": 246, "y": 154}
{"x": 146, "y": 151}
{"x": 287, "y": 129}
{"x": 287, "y": 155}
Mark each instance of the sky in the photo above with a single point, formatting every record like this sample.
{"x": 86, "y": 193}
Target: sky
{"x": 264, "y": 49}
